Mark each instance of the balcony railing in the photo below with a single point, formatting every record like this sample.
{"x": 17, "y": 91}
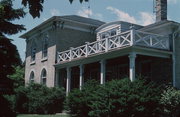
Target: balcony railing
{"x": 128, "y": 38}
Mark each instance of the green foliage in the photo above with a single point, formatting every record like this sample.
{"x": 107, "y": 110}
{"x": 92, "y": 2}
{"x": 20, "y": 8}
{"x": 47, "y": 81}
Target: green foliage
{"x": 40, "y": 99}
{"x": 8, "y": 51}
{"x": 118, "y": 98}
{"x": 125, "y": 98}
{"x": 79, "y": 1}
{"x": 7, "y": 15}
{"x": 170, "y": 101}
{"x": 9, "y": 56}
{"x": 36, "y": 6}
{"x": 78, "y": 101}
{"x": 18, "y": 76}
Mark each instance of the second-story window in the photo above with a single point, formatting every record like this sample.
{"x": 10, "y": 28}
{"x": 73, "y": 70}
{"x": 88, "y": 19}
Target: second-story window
{"x": 113, "y": 32}
{"x": 33, "y": 52}
{"x": 45, "y": 47}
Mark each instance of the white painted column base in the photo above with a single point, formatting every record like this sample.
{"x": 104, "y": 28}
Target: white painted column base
{"x": 103, "y": 71}
{"x": 68, "y": 81}
{"x": 132, "y": 57}
{"x": 81, "y": 76}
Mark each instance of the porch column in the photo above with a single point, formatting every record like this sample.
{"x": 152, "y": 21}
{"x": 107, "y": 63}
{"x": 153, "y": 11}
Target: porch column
{"x": 81, "y": 76}
{"x": 68, "y": 81}
{"x": 103, "y": 71}
{"x": 132, "y": 57}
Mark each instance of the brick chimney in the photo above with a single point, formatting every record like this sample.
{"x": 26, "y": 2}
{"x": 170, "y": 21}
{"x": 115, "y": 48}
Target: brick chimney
{"x": 161, "y": 10}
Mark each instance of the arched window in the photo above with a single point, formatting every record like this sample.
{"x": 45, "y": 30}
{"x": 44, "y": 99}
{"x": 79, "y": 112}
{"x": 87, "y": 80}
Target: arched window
{"x": 43, "y": 76}
{"x": 31, "y": 78}
{"x": 45, "y": 46}
{"x": 33, "y": 52}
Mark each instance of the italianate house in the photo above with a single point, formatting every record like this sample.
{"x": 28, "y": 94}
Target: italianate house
{"x": 68, "y": 50}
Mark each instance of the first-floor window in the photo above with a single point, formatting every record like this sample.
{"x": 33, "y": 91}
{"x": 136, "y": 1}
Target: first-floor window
{"x": 31, "y": 78}
{"x": 43, "y": 76}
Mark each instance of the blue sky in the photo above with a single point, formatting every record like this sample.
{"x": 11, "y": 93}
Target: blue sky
{"x": 135, "y": 11}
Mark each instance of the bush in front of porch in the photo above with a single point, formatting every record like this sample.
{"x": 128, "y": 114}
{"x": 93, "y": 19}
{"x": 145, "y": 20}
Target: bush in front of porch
{"x": 170, "y": 101}
{"x": 116, "y": 98}
{"x": 39, "y": 99}
{"x": 78, "y": 101}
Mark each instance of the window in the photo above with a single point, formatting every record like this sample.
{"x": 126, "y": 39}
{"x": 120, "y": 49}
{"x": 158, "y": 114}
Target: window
{"x": 45, "y": 47}
{"x": 43, "y": 76}
{"x": 31, "y": 78}
{"x": 109, "y": 33}
{"x": 113, "y": 32}
{"x": 104, "y": 35}
{"x": 33, "y": 52}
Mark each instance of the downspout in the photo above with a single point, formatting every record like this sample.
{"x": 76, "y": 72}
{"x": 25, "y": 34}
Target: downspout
{"x": 174, "y": 56}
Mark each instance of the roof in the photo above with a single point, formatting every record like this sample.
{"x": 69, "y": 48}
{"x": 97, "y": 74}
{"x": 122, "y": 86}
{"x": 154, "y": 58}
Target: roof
{"x": 72, "y": 18}
{"x": 83, "y": 19}
{"x": 117, "y": 22}
{"x": 160, "y": 23}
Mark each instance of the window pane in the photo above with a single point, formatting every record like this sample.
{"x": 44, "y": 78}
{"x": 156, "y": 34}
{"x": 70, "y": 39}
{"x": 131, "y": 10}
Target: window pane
{"x": 43, "y": 76}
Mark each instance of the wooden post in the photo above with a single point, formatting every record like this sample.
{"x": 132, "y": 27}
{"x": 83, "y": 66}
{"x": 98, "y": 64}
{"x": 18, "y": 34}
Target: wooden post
{"x": 87, "y": 49}
{"x": 107, "y": 45}
{"x": 132, "y": 35}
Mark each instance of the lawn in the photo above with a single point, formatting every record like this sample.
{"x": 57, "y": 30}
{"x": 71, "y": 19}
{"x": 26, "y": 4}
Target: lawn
{"x": 35, "y": 115}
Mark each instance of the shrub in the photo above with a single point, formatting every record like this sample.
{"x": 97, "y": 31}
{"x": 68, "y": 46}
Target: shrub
{"x": 126, "y": 99}
{"x": 117, "y": 98}
{"x": 78, "y": 101}
{"x": 39, "y": 99}
{"x": 170, "y": 101}
{"x": 21, "y": 104}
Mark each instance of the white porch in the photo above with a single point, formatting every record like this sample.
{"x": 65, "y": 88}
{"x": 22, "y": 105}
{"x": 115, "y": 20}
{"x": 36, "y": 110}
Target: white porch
{"x": 131, "y": 43}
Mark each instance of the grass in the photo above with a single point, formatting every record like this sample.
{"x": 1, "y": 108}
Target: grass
{"x": 36, "y": 115}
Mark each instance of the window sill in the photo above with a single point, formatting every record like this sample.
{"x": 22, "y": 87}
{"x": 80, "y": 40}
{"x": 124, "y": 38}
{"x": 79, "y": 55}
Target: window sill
{"x": 44, "y": 59}
{"x": 32, "y": 63}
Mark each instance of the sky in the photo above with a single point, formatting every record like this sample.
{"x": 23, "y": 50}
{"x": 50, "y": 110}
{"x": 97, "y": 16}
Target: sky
{"x": 134, "y": 11}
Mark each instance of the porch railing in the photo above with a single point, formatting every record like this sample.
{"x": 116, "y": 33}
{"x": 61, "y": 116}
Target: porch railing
{"x": 128, "y": 38}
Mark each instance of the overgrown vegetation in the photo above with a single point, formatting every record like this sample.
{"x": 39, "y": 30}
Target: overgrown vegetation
{"x": 39, "y": 99}
{"x": 116, "y": 98}
{"x": 170, "y": 101}
{"x": 78, "y": 101}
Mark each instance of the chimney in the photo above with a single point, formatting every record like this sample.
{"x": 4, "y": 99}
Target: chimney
{"x": 161, "y": 10}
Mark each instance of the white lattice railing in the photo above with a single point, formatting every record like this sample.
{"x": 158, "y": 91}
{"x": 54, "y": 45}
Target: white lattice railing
{"x": 129, "y": 38}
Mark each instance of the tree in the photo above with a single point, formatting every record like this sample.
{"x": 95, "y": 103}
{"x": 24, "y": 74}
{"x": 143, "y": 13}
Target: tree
{"x": 18, "y": 76}
{"x": 36, "y": 6}
{"x": 8, "y": 51}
